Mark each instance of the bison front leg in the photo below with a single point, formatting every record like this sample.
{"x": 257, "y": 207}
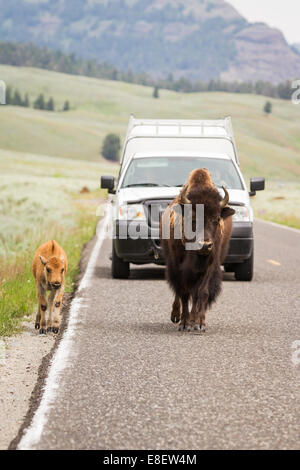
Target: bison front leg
{"x": 176, "y": 313}
{"x": 194, "y": 311}
{"x": 185, "y": 324}
{"x": 203, "y": 317}
{"x": 201, "y": 313}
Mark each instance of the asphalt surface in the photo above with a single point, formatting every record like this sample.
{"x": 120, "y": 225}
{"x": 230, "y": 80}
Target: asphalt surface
{"x": 135, "y": 382}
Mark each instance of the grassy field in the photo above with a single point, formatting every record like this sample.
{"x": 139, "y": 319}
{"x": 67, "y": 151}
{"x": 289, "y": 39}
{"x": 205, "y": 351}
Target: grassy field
{"x": 267, "y": 145}
{"x": 40, "y": 199}
{"x": 47, "y": 157}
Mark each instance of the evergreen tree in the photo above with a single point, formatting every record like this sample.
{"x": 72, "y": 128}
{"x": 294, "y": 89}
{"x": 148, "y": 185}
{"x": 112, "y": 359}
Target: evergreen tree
{"x": 39, "y": 102}
{"x": 66, "y": 106}
{"x": 8, "y": 95}
{"x": 17, "y": 99}
{"x": 50, "y": 105}
{"x": 285, "y": 90}
{"x": 26, "y": 102}
{"x": 111, "y": 147}
{"x": 268, "y": 108}
{"x": 156, "y": 92}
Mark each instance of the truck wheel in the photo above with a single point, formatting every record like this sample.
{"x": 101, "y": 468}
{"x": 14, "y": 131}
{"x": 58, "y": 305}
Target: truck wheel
{"x": 119, "y": 268}
{"x": 229, "y": 268}
{"x": 244, "y": 271}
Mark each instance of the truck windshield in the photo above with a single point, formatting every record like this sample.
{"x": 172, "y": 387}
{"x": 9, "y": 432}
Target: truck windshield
{"x": 174, "y": 171}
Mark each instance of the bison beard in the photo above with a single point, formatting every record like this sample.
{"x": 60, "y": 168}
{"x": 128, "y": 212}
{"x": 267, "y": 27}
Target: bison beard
{"x": 196, "y": 275}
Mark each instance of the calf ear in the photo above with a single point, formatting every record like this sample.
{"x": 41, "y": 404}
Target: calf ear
{"x": 43, "y": 260}
{"x": 227, "y": 212}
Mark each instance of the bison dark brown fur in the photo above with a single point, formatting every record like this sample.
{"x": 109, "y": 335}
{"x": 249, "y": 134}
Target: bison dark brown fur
{"x": 196, "y": 275}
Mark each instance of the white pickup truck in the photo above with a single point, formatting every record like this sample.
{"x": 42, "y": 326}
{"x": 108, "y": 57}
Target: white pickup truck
{"x": 157, "y": 157}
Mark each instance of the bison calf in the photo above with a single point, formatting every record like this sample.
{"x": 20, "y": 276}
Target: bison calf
{"x": 49, "y": 269}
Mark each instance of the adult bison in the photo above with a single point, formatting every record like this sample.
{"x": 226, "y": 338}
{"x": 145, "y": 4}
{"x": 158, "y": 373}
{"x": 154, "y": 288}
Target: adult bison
{"x": 196, "y": 274}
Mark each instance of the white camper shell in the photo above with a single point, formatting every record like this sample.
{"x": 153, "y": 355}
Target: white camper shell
{"x": 150, "y": 135}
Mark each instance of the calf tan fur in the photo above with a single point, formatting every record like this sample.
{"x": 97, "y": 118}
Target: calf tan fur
{"x": 49, "y": 269}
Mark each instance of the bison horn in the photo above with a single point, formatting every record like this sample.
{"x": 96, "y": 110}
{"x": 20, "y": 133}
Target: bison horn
{"x": 225, "y": 201}
{"x": 183, "y": 197}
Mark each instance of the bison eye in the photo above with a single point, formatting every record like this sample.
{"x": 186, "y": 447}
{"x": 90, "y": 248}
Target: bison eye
{"x": 217, "y": 221}
{"x": 48, "y": 270}
{"x": 63, "y": 270}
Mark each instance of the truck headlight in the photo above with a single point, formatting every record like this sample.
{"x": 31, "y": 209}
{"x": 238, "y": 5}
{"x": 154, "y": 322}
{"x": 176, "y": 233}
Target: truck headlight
{"x": 131, "y": 212}
{"x": 241, "y": 214}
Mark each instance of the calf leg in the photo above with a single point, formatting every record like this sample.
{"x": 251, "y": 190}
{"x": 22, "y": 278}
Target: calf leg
{"x": 57, "y": 305}
{"x": 51, "y": 307}
{"x": 176, "y": 314}
{"x": 40, "y": 322}
{"x": 38, "y": 319}
{"x": 38, "y": 315}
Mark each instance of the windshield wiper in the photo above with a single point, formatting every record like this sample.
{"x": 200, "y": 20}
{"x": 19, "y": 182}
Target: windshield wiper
{"x": 146, "y": 184}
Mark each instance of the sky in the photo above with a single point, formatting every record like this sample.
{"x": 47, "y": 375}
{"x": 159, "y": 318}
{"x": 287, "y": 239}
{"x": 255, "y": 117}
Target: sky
{"x": 282, "y": 14}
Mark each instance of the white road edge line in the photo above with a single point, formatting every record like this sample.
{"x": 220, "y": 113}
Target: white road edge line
{"x": 285, "y": 227}
{"x": 33, "y": 433}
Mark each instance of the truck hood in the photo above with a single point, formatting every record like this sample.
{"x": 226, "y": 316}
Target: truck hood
{"x": 132, "y": 195}
{"x": 128, "y": 195}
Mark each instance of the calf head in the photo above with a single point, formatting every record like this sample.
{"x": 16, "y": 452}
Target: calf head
{"x": 54, "y": 271}
{"x": 201, "y": 190}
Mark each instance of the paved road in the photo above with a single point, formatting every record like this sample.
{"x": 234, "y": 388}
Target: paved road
{"x": 135, "y": 382}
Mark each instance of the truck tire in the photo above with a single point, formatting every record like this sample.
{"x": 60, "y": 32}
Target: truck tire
{"x": 229, "y": 268}
{"x": 244, "y": 271}
{"x": 119, "y": 268}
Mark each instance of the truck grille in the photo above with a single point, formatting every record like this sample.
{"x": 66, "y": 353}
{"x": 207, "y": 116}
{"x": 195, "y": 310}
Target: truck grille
{"x": 154, "y": 210}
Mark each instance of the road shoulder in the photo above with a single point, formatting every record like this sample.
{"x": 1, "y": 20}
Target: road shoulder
{"x": 21, "y": 357}
{"x": 25, "y": 365}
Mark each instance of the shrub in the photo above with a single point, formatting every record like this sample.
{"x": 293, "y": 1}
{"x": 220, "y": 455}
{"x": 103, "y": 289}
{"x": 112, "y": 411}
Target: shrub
{"x": 268, "y": 108}
{"x": 111, "y": 147}
{"x": 156, "y": 92}
{"x": 50, "y": 105}
{"x": 66, "y": 106}
{"x": 39, "y": 102}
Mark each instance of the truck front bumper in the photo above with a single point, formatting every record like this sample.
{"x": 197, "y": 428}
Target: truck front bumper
{"x": 146, "y": 248}
{"x": 241, "y": 242}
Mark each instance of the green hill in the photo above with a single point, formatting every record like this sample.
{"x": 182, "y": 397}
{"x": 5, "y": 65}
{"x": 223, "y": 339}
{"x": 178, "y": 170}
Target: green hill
{"x": 267, "y": 145}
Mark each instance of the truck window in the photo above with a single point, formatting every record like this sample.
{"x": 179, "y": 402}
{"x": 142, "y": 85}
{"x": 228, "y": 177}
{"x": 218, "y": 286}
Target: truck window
{"x": 174, "y": 171}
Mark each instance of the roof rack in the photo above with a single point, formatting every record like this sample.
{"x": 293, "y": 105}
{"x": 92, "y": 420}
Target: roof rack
{"x": 180, "y": 128}
{"x": 180, "y": 125}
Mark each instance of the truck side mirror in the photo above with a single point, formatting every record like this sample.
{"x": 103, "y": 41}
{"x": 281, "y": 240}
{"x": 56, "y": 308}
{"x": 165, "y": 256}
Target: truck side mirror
{"x": 256, "y": 184}
{"x": 108, "y": 182}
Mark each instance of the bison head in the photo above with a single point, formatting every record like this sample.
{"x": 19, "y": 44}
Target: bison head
{"x": 54, "y": 271}
{"x": 200, "y": 189}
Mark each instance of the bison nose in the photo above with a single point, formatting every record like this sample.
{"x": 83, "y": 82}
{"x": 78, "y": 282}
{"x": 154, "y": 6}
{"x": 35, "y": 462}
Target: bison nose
{"x": 205, "y": 247}
{"x": 56, "y": 285}
{"x": 208, "y": 246}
